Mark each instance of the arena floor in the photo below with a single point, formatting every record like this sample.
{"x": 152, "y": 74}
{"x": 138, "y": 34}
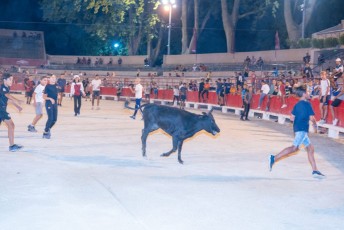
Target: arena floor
{"x": 91, "y": 175}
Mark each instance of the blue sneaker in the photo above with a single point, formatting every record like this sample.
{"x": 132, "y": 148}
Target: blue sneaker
{"x": 317, "y": 174}
{"x": 14, "y": 148}
{"x": 272, "y": 161}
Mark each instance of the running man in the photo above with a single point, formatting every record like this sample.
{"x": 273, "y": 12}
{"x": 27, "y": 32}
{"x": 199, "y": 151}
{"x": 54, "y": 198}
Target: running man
{"x": 301, "y": 114}
{"x": 96, "y": 83}
{"x": 50, "y": 97}
{"x": 38, "y": 102}
{"x": 138, "y": 96}
{"x": 6, "y": 97}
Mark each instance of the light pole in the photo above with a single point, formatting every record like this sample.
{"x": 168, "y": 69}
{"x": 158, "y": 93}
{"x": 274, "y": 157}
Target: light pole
{"x": 303, "y": 8}
{"x": 169, "y": 4}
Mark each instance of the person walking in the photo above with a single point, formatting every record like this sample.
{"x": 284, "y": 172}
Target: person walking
{"x": 77, "y": 91}
{"x": 38, "y": 102}
{"x": 138, "y": 89}
{"x": 182, "y": 92}
{"x": 6, "y": 97}
{"x": 50, "y": 96}
{"x": 247, "y": 102}
{"x": 301, "y": 114}
{"x": 96, "y": 83}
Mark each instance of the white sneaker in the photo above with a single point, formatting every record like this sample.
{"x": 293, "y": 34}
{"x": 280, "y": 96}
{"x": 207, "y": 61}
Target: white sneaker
{"x": 284, "y": 106}
{"x": 322, "y": 121}
{"x": 335, "y": 122}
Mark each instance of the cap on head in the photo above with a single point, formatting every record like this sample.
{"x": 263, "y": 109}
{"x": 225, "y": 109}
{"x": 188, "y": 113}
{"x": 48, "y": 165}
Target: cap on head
{"x": 6, "y": 76}
{"x": 76, "y": 76}
{"x": 338, "y": 59}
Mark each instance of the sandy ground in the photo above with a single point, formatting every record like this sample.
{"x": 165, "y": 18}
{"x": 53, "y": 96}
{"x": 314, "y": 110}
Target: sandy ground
{"x": 91, "y": 175}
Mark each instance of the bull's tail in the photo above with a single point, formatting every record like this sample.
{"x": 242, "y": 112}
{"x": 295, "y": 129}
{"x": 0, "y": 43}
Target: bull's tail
{"x": 126, "y": 105}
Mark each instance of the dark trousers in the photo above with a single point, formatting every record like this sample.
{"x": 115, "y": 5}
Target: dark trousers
{"x": 77, "y": 104}
{"x": 246, "y": 110}
{"x": 175, "y": 98}
{"x": 52, "y": 115}
{"x": 137, "y": 105}
{"x": 205, "y": 92}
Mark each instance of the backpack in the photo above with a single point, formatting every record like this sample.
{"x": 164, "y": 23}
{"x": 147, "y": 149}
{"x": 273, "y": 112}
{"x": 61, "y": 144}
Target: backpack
{"x": 77, "y": 91}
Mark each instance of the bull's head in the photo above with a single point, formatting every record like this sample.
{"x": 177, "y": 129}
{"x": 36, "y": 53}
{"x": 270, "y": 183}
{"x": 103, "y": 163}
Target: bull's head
{"x": 210, "y": 126}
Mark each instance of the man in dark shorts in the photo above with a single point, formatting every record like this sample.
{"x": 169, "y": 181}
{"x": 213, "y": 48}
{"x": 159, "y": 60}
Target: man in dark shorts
{"x": 301, "y": 114}
{"x": 6, "y": 97}
{"x": 29, "y": 88}
{"x": 337, "y": 100}
{"x": 61, "y": 84}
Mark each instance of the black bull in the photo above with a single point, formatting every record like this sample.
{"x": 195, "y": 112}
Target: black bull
{"x": 179, "y": 124}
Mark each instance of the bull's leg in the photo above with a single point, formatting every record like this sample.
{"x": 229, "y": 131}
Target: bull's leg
{"x": 180, "y": 145}
{"x": 174, "y": 148}
{"x": 144, "y": 141}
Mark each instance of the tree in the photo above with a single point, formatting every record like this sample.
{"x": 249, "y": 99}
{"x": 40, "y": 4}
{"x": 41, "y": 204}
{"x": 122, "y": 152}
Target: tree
{"x": 202, "y": 11}
{"x": 234, "y": 10}
{"x": 128, "y": 20}
{"x": 293, "y": 16}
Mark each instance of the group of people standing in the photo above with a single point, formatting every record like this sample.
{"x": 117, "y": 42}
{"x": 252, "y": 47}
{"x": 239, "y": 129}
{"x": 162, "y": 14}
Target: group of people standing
{"x": 47, "y": 93}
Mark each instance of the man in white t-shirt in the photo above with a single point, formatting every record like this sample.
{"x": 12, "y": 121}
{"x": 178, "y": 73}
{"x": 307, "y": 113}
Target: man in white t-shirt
{"x": 38, "y": 102}
{"x": 325, "y": 96}
{"x": 95, "y": 84}
{"x": 264, "y": 91}
{"x": 338, "y": 72}
{"x": 138, "y": 89}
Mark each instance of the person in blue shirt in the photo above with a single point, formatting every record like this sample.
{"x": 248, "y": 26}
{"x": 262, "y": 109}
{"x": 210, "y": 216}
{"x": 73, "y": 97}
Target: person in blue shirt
{"x": 5, "y": 98}
{"x": 301, "y": 114}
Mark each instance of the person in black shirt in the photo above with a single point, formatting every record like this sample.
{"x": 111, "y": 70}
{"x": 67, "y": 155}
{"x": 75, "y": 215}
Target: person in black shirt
{"x": 200, "y": 89}
{"x": 50, "y": 97}
{"x": 5, "y": 97}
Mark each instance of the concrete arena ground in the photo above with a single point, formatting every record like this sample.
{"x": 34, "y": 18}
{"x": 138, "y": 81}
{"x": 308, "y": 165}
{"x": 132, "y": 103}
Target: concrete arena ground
{"x": 91, "y": 175}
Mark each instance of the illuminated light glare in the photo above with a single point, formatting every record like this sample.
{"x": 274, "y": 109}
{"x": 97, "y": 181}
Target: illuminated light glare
{"x": 116, "y": 45}
{"x": 167, "y": 7}
{"x": 173, "y": 2}
{"x": 164, "y": 2}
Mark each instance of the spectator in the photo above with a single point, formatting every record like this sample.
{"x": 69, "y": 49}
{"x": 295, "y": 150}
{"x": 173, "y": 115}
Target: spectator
{"x": 264, "y": 92}
{"x": 325, "y": 94}
{"x": 321, "y": 59}
{"x": 218, "y": 91}
{"x": 275, "y": 72}
{"x": 155, "y": 90}
{"x": 338, "y": 72}
{"x": 243, "y": 92}
{"x": 307, "y": 71}
{"x": 247, "y": 102}
{"x": 200, "y": 89}
{"x": 307, "y": 58}
{"x": 119, "y": 88}
{"x": 175, "y": 94}
{"x": 240, "y": 80}
{"x": 61, "y": 84}
{"x": 147, "y": 92}
{"x": 272, "y": 92}
{"x": 253, "y": 62}
{"x": 146, "y": 62}
{"x": 253, "y": 81}
{"x": 119, "y": 61}
{"x": 206, "y": 90}
{"x": 227, "y": 87}
{"x": 29, "y": 89}
{"x": 247, "y": 61}
{"x": 260, "y": 62}
{"x": 288, "y": 89}
{"x": 337, "y": 100}
{"x": 281, "y": 93}
{"x": 182, "y": 92}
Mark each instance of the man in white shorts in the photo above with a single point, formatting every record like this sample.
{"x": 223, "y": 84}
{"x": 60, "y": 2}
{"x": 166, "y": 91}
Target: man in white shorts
{"x": 96, "y": 83}
{"x": 38, "y": 102}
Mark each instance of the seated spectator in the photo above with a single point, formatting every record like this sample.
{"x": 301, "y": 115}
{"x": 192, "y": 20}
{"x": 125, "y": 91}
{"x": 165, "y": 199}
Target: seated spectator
{"x": 119, "y": 61}
{"x": 260, "y": 62}
{"x": 307, "y": 58}
{"x": 194, "y": 67}
{"x": 146, "y": 62}
{"x": 307, "y": 71}
{"x": 264, "y": 91}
